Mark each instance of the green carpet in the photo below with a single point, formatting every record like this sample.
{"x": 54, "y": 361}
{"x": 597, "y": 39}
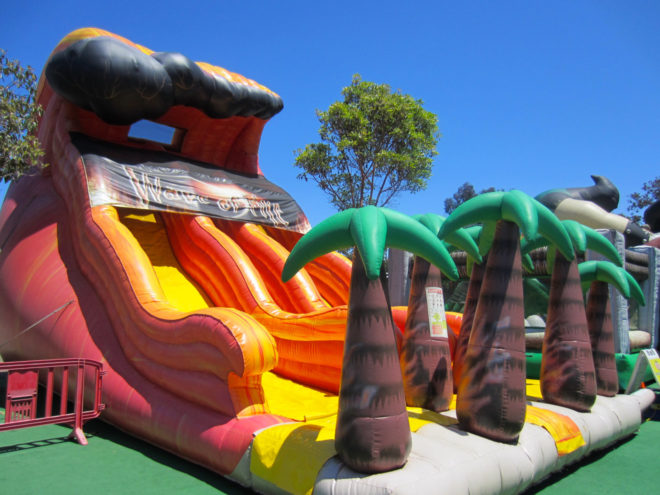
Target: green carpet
{"x": 42, "y": 460}
{"x": 629, "y": 467}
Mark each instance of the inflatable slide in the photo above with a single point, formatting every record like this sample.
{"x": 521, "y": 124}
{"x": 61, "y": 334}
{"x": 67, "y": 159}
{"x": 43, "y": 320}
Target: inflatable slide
{"x": 161, "y": 256}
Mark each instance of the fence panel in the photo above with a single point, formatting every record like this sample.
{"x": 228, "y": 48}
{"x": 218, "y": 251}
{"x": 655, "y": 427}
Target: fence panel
{"x": 21, "y": 397}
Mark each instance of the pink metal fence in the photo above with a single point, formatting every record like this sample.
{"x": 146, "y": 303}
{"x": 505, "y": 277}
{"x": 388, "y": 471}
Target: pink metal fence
{"x": 21, "y": 402}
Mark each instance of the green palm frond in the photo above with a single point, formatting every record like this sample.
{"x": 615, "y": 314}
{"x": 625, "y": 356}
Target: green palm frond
{"x": 605, "y": 271}
{"x": 582, "y": 238}
{"x": 371, "y": 229}
{"x": 461, "y": 238}
{"x": 532, "y": 218}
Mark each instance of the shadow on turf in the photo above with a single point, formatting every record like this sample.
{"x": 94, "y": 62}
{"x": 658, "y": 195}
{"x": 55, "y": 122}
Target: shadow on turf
{"x": 653, "y": 412}
{"x": 593, "y": 457}
{"x": 102, "y": 430}
{"x": 33, "y": 445}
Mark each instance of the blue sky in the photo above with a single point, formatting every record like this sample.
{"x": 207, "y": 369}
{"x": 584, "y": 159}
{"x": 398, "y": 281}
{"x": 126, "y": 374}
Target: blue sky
{"x": 529, "y": 94}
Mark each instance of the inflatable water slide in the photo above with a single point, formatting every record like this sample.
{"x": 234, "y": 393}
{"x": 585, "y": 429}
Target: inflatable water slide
{"x": 160, "y": 255}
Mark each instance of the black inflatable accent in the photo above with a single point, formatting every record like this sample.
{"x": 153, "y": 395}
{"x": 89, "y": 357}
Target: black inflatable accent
{"x": 652, "y": 216}
{"x": 635, "y": 235}
{"x": 191, "y": 87}
{"x": 122, "y": 85}
{"x": 603, "y": 193}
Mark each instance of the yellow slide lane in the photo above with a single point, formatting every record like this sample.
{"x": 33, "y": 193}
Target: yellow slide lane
{"x": 284, "y": 397}
{"x": 182, "y": 292}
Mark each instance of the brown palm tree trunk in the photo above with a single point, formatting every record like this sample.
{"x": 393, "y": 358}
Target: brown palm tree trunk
{"x": 471, "y": 300}
{"x": 568, "y": 377}
{"x": 601, "y": 333}
{"x": 372, "y": 433}
{"x": 491, "y": 394}
{"x": 425, "y": 354}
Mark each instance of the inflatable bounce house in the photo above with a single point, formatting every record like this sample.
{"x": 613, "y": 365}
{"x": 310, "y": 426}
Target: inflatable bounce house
{"x": 236, "y": 337}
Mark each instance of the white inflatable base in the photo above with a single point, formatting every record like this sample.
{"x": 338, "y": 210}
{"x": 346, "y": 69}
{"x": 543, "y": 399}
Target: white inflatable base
{"x": 447, "y": 460}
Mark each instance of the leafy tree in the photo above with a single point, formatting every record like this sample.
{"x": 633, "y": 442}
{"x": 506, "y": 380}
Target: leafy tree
{"x": 637, "y": 202}
{"x": 464, "y": 192}
{"x": 375, "y": 144}
{"x": 19, "y": 114}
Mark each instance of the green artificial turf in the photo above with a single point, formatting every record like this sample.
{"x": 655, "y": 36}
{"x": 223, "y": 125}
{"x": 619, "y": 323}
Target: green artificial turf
{"x": 42, "y": 460}
{"x": 630, "y": 467}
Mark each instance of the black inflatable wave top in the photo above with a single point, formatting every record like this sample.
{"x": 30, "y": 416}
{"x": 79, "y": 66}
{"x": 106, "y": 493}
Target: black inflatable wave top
{"x": 122, "y": 84}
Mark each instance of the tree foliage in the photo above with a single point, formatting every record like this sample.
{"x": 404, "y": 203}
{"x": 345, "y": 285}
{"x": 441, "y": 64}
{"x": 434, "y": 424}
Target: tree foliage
{"x": 374, "y": 144}
{"x": 464, "y": 192}
{"x": 19, "y": 115}
{"x": 638, "y": 201}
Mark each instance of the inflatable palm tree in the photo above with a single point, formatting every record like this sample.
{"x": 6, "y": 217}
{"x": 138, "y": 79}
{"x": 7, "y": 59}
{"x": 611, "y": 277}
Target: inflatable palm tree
{"x": 491, "y": 393}
{"x": 598, "y": 275}
{"x": 476, "y": 271}
{"x": 372, "y": 432}
{"x": 568, "y": 375}
{"x": 425, "y": 354}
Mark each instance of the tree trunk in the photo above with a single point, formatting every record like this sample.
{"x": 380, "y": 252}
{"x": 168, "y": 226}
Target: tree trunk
{"x": 471, "y": 300}
{"x": 601, "y": 334}
{"x": 372, "y": 433}
{"x": 568, "y": 377}
{"x": 491, "y": 394}
{"x": 425, "y": 358}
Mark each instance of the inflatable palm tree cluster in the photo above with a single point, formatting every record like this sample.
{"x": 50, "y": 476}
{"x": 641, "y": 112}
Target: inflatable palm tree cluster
{"x": 381, "y": 376}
